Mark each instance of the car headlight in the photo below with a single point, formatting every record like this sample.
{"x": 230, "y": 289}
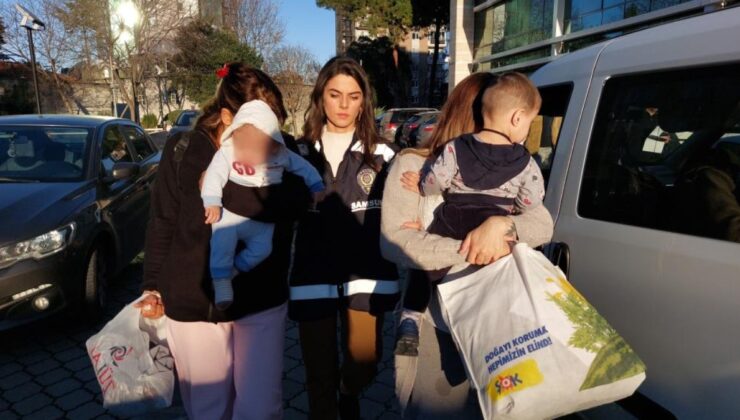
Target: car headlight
{"x": 39, "y": 247}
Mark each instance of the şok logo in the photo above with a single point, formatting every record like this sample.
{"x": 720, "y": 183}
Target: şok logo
{"x": 506, "y": 383}
{"x": 514, "y": 379}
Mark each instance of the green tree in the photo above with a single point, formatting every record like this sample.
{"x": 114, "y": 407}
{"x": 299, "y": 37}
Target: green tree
{"x": 425, "y": 14}
{"x": 391, "y": 18}
{"x": 386, "y": 79}
{"x": 202, "y": 50}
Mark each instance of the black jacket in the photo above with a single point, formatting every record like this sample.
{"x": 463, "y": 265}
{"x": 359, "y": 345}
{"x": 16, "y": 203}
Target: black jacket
{"x": 177, "y": 243}
{"x": 337, "y": 261}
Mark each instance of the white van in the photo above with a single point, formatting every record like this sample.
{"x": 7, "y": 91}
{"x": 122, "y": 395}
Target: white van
{"x": 640, "y": 140}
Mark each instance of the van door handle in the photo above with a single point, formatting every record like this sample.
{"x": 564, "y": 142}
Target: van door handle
{"x": 559, "y": 254}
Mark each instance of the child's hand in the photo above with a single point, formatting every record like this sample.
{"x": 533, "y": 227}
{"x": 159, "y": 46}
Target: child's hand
{"x": 410, "y": 181}
{"x": 213, "y": 214}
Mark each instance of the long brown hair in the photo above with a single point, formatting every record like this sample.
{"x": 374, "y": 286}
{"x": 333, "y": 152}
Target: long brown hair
{"x": 460, "y": 114}
{"x": 365, "y": 125}
{"x": 241, "y": 84}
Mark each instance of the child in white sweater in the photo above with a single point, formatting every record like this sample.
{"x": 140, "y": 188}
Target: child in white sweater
{"x": 252, "y": 154}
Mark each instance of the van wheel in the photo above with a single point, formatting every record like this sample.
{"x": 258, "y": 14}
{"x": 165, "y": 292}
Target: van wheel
{"x": 96, "y": 283}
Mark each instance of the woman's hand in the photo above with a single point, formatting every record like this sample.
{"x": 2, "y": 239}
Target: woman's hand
{"x": 151, "y": 306}
{"x": 412, "y": 225}
{"x": 490, "y": 241}
{"x": 410, "y": 181}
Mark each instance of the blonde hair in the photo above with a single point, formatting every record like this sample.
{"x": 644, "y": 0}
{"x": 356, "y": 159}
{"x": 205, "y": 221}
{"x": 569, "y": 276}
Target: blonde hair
{"x": 460, "y": 113}
{"x": 511, "y": 91}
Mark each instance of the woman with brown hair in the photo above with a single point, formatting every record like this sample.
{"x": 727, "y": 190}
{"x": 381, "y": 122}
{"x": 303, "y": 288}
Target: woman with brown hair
{"x": 434, "y": 385}
{"x": 229, "y": 363}
{"x": 338, "y": 269}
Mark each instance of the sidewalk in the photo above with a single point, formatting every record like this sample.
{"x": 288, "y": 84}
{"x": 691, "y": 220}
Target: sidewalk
{"x": 45, "y": 372}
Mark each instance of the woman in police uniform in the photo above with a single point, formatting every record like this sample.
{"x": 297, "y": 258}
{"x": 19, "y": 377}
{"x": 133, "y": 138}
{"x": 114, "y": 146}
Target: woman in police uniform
{"x": 338, "y": 269}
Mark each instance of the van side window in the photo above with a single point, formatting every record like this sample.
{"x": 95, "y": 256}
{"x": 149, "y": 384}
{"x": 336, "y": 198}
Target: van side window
{"x": 545, "y": 131}
{"x": 665, "y": 153}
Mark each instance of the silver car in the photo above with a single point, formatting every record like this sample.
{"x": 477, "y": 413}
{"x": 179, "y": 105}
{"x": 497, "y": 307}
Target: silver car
{"x": 638, "y": 140}
{"x": 393, "y": 118}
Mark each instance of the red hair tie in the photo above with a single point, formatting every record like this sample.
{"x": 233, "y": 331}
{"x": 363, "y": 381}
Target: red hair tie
{"x": 223, "y": 71}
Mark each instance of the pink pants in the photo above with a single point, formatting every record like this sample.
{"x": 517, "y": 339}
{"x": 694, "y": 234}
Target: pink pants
{"x": 231, "y": 369}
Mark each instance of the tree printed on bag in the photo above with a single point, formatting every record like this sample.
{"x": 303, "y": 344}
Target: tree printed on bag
{"x": 615, "y": 359}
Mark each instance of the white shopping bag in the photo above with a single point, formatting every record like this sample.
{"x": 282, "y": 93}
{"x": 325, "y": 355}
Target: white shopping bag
{"x": 133, "y": 364}
{"x": 533, "y": 347}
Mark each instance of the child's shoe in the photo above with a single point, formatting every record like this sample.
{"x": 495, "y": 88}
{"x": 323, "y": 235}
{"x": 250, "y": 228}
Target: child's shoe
{"x": 223, "y": 293}
{"x": 407, "y": 338}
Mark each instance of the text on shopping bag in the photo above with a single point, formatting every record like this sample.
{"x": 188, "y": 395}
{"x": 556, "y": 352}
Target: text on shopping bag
{"x": 104, "y": 371}
{"x": 517, "y": 348}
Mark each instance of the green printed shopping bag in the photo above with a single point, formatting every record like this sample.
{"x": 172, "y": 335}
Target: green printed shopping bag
{"x": 532, "y": 345}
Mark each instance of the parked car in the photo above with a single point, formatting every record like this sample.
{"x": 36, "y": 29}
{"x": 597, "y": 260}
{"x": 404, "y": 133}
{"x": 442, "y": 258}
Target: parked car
{"x": 74, "y": 204}
{"x": 424, "y": 131}
{"x": 184, "y": 122}
{"x": 393, "y": 118}
{"x": 638, "y": 141}
{"x": 407, "y": 135}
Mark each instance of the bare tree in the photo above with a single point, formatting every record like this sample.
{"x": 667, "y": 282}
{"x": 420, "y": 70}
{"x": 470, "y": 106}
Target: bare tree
{"x": 294, "y": 69}
{"x": 149, "y": 43}
{"x": 56, "y": 50}
{"x": 259, "y": 25}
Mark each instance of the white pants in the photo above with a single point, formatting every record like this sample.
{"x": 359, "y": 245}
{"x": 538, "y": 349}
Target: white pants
{"x": 231, "y": 370}
{"x": 227, "y": 232}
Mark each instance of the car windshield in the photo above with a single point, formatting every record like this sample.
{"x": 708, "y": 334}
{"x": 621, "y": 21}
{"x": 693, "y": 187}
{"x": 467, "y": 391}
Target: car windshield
{"x": 413, "y": 119}
{"x": 44, "y": 154}
{"x": 401, "y": 116}
{"x": 187, "y": 119}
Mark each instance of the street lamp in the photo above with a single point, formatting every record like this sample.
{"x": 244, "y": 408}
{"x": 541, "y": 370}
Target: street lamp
{"x": 32, "y": 23}
{"x": 125, "y": 18}
{"x": 109, "y": 77}
{"x": 159, "y": 93}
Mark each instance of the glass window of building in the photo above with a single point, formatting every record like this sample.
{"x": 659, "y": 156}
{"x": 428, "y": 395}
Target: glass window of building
{"x": 512, "y": 24}
{"x": 585, "y": 14}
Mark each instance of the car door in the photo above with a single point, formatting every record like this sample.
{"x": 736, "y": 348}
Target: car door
{"x": 117, "y": 197}
{"x": 147, "y": 157}
{"x": 650, "y": 246}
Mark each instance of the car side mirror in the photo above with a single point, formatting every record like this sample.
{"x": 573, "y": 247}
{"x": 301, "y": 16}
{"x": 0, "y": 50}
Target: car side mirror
{"x": 122, "y": 170}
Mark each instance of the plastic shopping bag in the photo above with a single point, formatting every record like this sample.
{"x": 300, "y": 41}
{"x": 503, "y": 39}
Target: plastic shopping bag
{"x": 132, "y": 363}
{"x": 532, "y": 345}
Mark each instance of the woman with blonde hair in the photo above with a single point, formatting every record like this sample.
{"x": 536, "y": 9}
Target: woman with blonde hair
{"x": 434, "y": 385}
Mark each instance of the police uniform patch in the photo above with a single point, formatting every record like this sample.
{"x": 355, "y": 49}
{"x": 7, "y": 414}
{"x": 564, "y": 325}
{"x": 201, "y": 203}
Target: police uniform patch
{"x": 365, "y": 179}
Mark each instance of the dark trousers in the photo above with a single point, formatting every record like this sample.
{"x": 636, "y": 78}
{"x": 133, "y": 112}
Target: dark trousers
{"x": 361, "y": 345}
{"x": 455, "y": 218}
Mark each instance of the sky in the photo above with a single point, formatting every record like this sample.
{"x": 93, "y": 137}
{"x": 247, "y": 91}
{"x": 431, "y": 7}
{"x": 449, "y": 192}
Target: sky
{"x": 309, "y": 26}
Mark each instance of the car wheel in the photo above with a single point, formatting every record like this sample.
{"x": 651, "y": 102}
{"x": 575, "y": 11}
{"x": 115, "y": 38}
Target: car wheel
{"x": 96, "y": 283}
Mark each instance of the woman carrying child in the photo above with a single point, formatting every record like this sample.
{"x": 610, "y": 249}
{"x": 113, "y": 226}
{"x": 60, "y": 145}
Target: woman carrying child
{"x": 431, "y": 381}
{"x": 229, "y": 362}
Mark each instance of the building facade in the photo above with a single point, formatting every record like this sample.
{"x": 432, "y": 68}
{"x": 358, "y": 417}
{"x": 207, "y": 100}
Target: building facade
{"x": 502, "y": 35}
{"x": 419, "y": 45}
